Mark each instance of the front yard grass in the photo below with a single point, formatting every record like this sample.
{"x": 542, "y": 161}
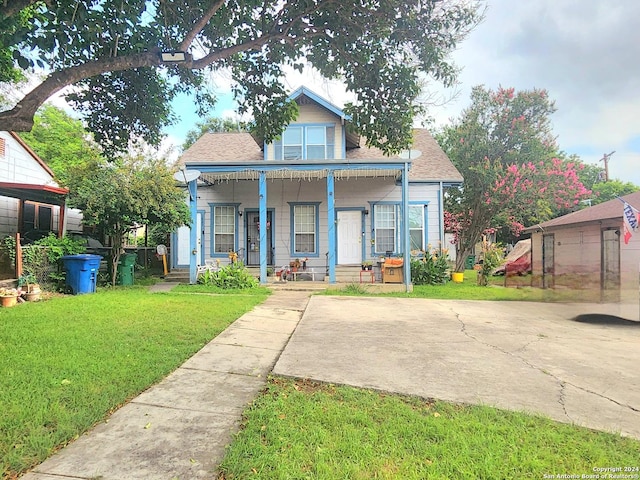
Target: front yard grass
{"x": 470, "y": 290}
{"x": 301, "y": 429}
{"x": 68, "y": 362}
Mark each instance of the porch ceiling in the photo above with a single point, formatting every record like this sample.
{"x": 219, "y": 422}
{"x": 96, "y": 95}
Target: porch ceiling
{"x": 291, "y": 174}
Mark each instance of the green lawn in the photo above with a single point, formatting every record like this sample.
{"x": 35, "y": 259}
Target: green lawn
{"x": 470, "y": 290}
{"x": 66, "y": 363}
{"x": 303, "y": 430}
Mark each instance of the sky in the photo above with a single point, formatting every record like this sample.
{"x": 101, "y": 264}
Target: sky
{"x": 585, "y": 53}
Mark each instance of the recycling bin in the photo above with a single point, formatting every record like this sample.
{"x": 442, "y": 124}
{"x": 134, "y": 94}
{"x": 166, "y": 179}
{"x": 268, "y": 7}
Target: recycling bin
{"x": 126, "y": 267}
{"x": 81, "y": 272}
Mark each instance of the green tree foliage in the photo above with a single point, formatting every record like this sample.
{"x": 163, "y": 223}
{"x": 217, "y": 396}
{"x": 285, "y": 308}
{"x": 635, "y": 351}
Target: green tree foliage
{"x": 62, "y": 142}
{"x": 111, "y": 52}
{"x": 131, "y": 191}
{"x": 605, "y": 191}
{"x": 593, "y": 178}
{"x": 213, "y": 125}
{"x": 505, "y": 150}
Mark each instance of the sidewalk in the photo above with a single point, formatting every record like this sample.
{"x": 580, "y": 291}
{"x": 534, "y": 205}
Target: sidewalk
{"x": 178, "y": 429}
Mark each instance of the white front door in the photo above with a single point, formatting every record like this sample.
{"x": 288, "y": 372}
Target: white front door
{"x": 349, "y": 237}
{"x": 183, "y": 244}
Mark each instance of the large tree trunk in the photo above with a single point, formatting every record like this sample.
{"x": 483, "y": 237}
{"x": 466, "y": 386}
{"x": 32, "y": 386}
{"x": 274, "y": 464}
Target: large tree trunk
{"x": 462, "y": 253}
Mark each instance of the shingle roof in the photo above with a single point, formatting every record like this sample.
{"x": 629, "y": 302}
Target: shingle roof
{"x": 431, "y": 165}
{"x": 602, "y": 211}
{"x": 223, "y": 147}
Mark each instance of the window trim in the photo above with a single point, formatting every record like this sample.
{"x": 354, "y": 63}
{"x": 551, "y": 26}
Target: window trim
{"x": 212, "y": 229}
{"x": 278, "y": 144}
{"x": 292, "y": 219}
{"x": 399, "y": 224}
{"x": 397, "y": 210}
{"x": 425, "y": 218}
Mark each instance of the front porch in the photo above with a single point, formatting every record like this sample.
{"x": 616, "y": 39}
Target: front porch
{"x": 323, "y": 213}
{"x": 345, "y": 275}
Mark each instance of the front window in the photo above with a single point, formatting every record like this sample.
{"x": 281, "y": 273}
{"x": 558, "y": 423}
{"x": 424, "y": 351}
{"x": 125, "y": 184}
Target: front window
{"x": 385, "y": 228}
{"x": 304, "y": 229}
{"x": 224, "y": 228}
{"x": 416, "y": 226}
{"x": 313, "y": 142}
{"x": 37, "y": 217}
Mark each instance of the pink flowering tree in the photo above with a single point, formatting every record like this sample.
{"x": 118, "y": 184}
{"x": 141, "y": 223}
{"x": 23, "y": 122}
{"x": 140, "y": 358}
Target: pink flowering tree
{"x": 513, "y": 176}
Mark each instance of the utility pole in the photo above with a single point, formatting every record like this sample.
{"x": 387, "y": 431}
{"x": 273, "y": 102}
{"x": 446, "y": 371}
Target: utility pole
{"x": 605, "y": 159}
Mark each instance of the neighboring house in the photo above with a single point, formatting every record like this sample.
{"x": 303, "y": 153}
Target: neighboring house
{"x": 31, "y": 202}
{"x": 317, "y": 193}
{"x": 587, "y": 249}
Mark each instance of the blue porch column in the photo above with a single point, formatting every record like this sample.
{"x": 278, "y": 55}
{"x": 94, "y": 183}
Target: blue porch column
{"x": 262, "y": 193}
{"x": 406, "y": 240}
{"x": 331, "y": 225}
{"x": 193, "y": 231}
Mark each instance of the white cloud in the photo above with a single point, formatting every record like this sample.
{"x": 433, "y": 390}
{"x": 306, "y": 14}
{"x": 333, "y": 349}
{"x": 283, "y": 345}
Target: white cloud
{"x": 583, "y": 52}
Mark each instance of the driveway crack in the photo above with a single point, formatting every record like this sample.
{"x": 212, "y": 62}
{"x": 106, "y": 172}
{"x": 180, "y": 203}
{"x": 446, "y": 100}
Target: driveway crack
{"x": 562, "y": 383}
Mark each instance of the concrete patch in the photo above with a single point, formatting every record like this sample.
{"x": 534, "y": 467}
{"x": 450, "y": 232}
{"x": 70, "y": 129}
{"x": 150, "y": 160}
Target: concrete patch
{"x": 254, "y": 321}
{"x": 246, "y": 337}
{"x": 212, "y": 392}
{"x": 218, "y": 357}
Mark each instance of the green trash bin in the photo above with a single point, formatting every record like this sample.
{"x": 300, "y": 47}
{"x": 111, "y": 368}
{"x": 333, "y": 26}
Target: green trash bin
{"x": 126, "y": 267}
{"x": 470, "y": 262}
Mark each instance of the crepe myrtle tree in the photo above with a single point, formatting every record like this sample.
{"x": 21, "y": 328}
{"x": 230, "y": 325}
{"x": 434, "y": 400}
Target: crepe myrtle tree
{"x": 110, "y": 52}
{"x": 513, "y": 176}
{"x": 131, "y": 191}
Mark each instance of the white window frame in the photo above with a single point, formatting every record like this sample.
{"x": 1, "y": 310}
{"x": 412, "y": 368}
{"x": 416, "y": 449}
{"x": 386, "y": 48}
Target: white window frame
{"x": 381, "y": 226}
{"x": 295, "y": 229}
{"x": 281, "y": 145}
{"x": 228, "y": 212}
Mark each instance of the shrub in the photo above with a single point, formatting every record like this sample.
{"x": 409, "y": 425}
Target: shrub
{"x": 41, "y": 258}
{"x": 431, "y": 268}
{"x": 492, "y": 257}
{"x": 234, "y": 275}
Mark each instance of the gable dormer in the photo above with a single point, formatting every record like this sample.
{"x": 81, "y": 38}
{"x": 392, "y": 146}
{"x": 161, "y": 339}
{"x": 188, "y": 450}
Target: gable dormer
{"x": 318, "y": 133}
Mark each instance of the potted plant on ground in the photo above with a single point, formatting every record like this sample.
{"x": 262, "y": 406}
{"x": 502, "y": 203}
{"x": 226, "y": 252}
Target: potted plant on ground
{"x": 8, "y": 296}
{"x": 28, "y": 284}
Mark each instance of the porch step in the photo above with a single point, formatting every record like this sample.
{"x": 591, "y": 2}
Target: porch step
{"x": 180, "y": 275}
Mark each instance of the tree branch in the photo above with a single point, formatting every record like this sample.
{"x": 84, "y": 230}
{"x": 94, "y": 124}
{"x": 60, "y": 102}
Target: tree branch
{"x": 199, "y": 26}
{"x": 20, "y": 118}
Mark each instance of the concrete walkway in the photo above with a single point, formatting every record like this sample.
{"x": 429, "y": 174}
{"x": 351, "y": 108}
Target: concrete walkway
{"x": 177, "y": 430}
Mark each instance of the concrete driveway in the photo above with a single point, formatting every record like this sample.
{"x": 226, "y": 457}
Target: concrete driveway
{"x": 516, "y": 355}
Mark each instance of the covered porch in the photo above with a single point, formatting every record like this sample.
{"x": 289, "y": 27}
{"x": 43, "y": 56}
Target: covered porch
{"x": 256, "y": 179}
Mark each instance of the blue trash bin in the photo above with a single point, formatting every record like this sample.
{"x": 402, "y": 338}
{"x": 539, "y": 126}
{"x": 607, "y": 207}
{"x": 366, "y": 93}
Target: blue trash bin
{"x": 82, "y": 272}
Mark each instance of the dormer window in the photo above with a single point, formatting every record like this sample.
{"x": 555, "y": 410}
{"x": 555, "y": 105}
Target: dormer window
{"x": 306, "y": 142}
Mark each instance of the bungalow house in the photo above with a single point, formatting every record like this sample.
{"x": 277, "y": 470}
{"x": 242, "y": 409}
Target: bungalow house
{"x": 588, "y": 249}
{"x": 317, "y": 194}
{"x": 31, "y": 202}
